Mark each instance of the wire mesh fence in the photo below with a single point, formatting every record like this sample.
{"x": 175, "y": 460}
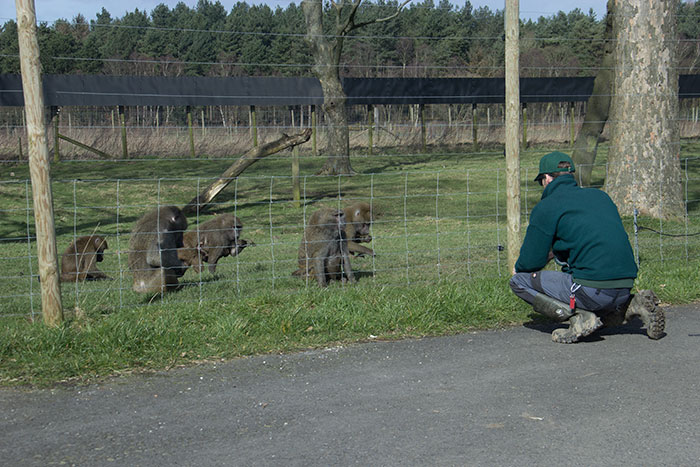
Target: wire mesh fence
{"x": 434, "y": 174}
{"x": 434, "y": 223}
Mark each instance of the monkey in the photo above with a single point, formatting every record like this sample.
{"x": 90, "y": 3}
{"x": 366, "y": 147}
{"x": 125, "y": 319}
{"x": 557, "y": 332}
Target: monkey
{"x": 153, "y": 248}
{"x": 78, "y": 262}
{"x": 212, "y": 240}
{"x": 323, "y": 252}
{"x": 192, "y": 252}
{"x": 358, "y": 217}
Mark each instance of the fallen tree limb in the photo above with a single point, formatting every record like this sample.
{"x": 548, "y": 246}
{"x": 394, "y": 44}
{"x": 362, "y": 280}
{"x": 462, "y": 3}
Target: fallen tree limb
{"x": 200, "y": 202}
{"x": 85, "y": 146}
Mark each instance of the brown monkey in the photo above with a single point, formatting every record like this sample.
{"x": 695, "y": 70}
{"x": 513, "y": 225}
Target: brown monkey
{"x": 78, "y": 262}
{"x": 358, "y": 218}
{"x": 323, "y": 252}
{"x": 192, "y": 252}
{"x": 153, "y": 247}
{"x": 212, "y": 240}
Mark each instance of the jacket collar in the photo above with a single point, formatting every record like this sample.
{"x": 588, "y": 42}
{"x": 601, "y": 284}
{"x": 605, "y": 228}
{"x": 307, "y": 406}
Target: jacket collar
{"x": 561, "y": 181}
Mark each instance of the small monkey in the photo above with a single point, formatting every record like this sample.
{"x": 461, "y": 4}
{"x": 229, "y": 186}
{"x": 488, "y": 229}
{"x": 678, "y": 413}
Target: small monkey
{"x": 212, "y": 240}
{"x": 323, "y": 252}
{"x": 79, "y": 261}
{"x": 358, "y": 218}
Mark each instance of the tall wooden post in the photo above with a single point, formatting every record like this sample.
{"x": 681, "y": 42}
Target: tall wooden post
{"x": 423, "y": 136}
{"x": 51, "y": 307}
{"x": 122, "y": 122}
{"x": 475, "y": 141}
{"x": 314, "y": 149}
{"x": 512, "y": 130}
{"x": 524, "y": 142}
{"x": 296, "y": 185}
{"x": 370, "y": 128}
{"x": 56, "y": 141}
{"x": 254, "y": 125}
{"x": 572, "y": 123}
{"x": 190, "y": 131}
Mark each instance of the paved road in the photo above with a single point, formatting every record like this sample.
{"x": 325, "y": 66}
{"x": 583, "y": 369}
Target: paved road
{"x": 509, "y": 397}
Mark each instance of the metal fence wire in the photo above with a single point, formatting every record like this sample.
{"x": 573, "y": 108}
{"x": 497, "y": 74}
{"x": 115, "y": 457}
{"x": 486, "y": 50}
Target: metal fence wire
{"x": 429, "y": 226}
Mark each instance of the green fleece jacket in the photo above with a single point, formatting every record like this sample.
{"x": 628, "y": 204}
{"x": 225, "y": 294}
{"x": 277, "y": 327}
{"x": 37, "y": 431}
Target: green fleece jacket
{"x": 583, "y": 229}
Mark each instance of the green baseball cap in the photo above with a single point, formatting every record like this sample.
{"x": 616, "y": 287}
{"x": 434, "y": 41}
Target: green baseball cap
{"x": 550, "y": 164}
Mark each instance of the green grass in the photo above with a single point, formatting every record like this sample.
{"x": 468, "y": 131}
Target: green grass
{"x": 438, "y": 269}
{"x": 91, "y": 344}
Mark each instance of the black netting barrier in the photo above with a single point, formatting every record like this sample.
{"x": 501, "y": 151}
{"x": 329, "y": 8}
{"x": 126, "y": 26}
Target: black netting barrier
{"x": 99, "y": 90}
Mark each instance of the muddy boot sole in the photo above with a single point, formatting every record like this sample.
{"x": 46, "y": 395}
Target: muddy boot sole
{"x": 645, "y": 304}
{"x": 582, "y": 324}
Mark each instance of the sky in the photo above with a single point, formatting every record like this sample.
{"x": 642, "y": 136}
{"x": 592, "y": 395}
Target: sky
{"x": 51, "y": 10}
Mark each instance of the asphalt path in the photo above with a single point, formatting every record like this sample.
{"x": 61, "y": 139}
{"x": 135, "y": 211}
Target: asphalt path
{"x": 506, "y": 397}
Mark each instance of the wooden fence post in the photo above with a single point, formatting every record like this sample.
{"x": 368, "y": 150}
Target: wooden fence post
{"x": 51, "y": 307}
{"x": 512, "y": 123}
{"x": 296, "y": 186}
{"x": 190, "y": 131}
{"x": 370, "y": 127}
{"x": 254, "y": 125}
{"x": 424, "y": 140}
{"x": 475, "y": 141}
{"x": 572, "y": 123}
{"x": 122, "y": 123}
{"x": 56, "y": 144}
{"x": 524, "y": 142}
{"x": 314, "y": 149}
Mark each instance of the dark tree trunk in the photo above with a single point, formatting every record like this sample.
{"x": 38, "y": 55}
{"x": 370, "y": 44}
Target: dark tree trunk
{"x": 338, "y": 134}
{"x": 326, "y": 53}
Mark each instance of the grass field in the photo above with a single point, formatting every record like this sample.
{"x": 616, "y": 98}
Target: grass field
{"x": 441, "y": 264}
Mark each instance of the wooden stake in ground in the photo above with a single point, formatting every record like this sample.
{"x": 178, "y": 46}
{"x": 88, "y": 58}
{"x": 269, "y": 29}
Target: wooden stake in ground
{"x": 201, "y": 201}
{"x": 39, "y": 163}
{"x": 512, "y": 127}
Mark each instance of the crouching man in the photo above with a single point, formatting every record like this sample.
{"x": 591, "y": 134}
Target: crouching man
{"x": 581, "y": 229}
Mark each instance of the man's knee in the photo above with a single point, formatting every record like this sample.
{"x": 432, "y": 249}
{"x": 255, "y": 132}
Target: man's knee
{"x": 520, "y": 285}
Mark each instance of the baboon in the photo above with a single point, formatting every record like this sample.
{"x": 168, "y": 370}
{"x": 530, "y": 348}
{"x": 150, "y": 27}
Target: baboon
{"x": 358, "y": 218}
{"x": 323, "y": 252}
{"x": 212, "y": 240}
{"x": 153, "y": 247}
{"x": 78, "y": 262}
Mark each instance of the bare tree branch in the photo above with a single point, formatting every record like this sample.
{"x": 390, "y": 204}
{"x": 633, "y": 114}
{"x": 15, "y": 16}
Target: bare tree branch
{"x": 350, "y": 25}
{"x": 200, "y": 202}
{"x": 381, "y": 20}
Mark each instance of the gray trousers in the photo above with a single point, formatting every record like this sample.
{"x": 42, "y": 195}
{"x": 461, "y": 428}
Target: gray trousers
{"x": 560, "y": 285}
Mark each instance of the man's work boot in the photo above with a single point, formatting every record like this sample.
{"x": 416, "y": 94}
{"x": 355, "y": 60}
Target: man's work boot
{"x": 645, "y": 305}
{"x": 581, "y": 322}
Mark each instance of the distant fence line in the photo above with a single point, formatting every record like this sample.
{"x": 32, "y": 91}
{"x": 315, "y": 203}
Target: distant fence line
{"x": 99, "y": 90}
